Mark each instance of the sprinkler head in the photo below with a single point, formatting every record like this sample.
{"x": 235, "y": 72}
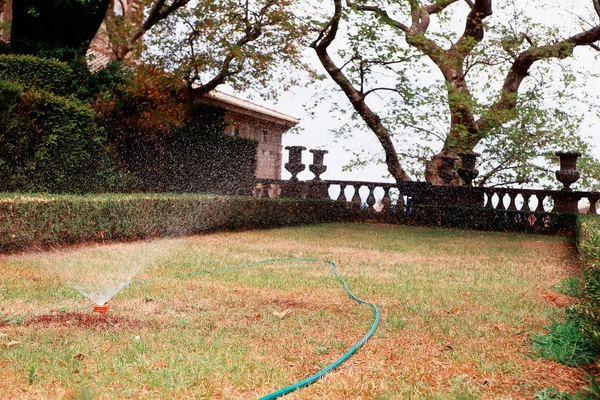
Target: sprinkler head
{"x": 101, "y": 309}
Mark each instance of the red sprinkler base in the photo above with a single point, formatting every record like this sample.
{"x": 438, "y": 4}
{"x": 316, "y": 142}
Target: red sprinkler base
{"x": 101, "y": 309}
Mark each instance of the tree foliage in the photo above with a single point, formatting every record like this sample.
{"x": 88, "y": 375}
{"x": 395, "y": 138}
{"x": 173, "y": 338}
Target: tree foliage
{"x": 49, "y": 25}
{"x": 438, "y": 79}
{"x": 211, "y": 42}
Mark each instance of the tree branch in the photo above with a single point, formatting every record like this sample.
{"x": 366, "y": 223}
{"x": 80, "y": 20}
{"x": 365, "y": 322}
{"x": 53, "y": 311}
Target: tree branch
{"x": 438, "y": 6}
{"x": 368, "y": 92}
{"x": 597, "y": 6}
{"x": 500, "y": 111}
{"x": 157, "y": 13}
{"x": 380, "y": 12}
{"x": 252, "y": 32}
{"x": 473, "y": 33}
{"x": 326, "y": 37}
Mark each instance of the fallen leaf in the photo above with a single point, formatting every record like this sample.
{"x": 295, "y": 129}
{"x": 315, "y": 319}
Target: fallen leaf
{"x": 447, "y": 346}
{"x": 257, "y": 316}
{"x": 79, "y": 356}
{"x": 11, "y": 343}
{"x": 282, "y": 314}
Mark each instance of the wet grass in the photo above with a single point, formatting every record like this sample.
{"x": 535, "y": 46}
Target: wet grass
{"x": 458, "y": 309}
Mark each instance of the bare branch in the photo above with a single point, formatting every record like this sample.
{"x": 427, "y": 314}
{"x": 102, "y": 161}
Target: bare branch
{"x": 368, "y": 92}
{"x": 597, "y": 6}
{"x": 470, "y": 3}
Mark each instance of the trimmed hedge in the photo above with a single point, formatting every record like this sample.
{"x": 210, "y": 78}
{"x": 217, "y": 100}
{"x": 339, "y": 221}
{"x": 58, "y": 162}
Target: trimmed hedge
{"x": 40, "y": 73}
{"x": 588, "y": 243}
{"x": 45, "y": 221}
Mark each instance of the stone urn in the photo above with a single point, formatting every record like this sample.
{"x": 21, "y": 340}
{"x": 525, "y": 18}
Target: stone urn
{"x": 468, "y": 172}
{"x": 294, "y": 165}
{"x": 447, "y": 172}
{"x": 568, "y": 174}
{"x": 317, "y": 166}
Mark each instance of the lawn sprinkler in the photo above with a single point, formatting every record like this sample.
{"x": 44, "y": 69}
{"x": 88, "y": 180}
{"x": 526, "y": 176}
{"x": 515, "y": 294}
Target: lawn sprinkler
{"x": 101, "y": 309}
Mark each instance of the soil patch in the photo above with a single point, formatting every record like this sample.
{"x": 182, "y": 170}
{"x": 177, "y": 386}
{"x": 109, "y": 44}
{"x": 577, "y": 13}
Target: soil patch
{"x": 81, "y": 320}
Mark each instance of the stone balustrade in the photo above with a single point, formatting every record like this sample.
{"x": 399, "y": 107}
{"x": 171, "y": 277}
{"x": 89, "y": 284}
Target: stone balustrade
{"x": 380, "y": 196}
{"x": 402, "y": 198}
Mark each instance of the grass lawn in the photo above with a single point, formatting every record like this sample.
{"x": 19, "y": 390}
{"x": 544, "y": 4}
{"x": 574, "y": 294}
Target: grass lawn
{"x": 457, "y": 310}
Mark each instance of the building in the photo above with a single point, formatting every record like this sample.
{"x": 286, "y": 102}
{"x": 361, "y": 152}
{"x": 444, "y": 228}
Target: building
{"x": 250, "y": 120}
{"x": 5, "y": 18}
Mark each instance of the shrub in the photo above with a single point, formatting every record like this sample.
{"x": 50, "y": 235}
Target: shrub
{"x": 48, "y": 143}
{"x": 588, "y": 310}
{"x": 40, "y": 73}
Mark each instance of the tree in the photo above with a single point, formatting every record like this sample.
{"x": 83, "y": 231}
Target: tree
{"x": 210, "y": 42}
{"x": 48, "y": 25}
{"x": 492, "y": 87}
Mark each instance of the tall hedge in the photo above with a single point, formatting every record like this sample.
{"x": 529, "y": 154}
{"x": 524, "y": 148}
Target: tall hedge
{"x": 48, "y": 143}
{"x": 193, "y": 158}
{"x": 40, "y": 73}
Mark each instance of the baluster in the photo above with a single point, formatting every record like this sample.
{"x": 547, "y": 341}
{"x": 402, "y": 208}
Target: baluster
{"x": 525, "y": 207}
{"x": 342, "y": 195}
{"x": 489, "y": 202}
{"x": 512, "y": 206}
{"x": 371, "y": 198}
{"x": 356, "y": 196}
{"x": 593, "y": 201}
{"x": 400, "y": 204}
{"x": 500, "y": 205}
{"x": 386, "y": 201}
{"x": 540, "y": 205}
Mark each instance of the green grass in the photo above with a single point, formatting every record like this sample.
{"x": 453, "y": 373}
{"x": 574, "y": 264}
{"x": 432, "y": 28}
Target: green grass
{"x": 457, "y": 308}
{"x": 565, "y": 343}
{"x": 570, "y": 286}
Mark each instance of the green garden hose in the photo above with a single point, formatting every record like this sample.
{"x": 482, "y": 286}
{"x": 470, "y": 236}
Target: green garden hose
{"x": 333, "y": 365}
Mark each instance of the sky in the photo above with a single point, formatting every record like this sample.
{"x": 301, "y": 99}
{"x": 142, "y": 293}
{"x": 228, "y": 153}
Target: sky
{"x": 315, "y": 132}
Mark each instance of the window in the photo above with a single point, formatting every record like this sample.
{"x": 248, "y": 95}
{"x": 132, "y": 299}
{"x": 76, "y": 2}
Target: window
{"x": 265, "y": 132}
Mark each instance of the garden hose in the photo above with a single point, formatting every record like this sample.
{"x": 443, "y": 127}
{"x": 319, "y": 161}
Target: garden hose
{"x": 333, "y": 365}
